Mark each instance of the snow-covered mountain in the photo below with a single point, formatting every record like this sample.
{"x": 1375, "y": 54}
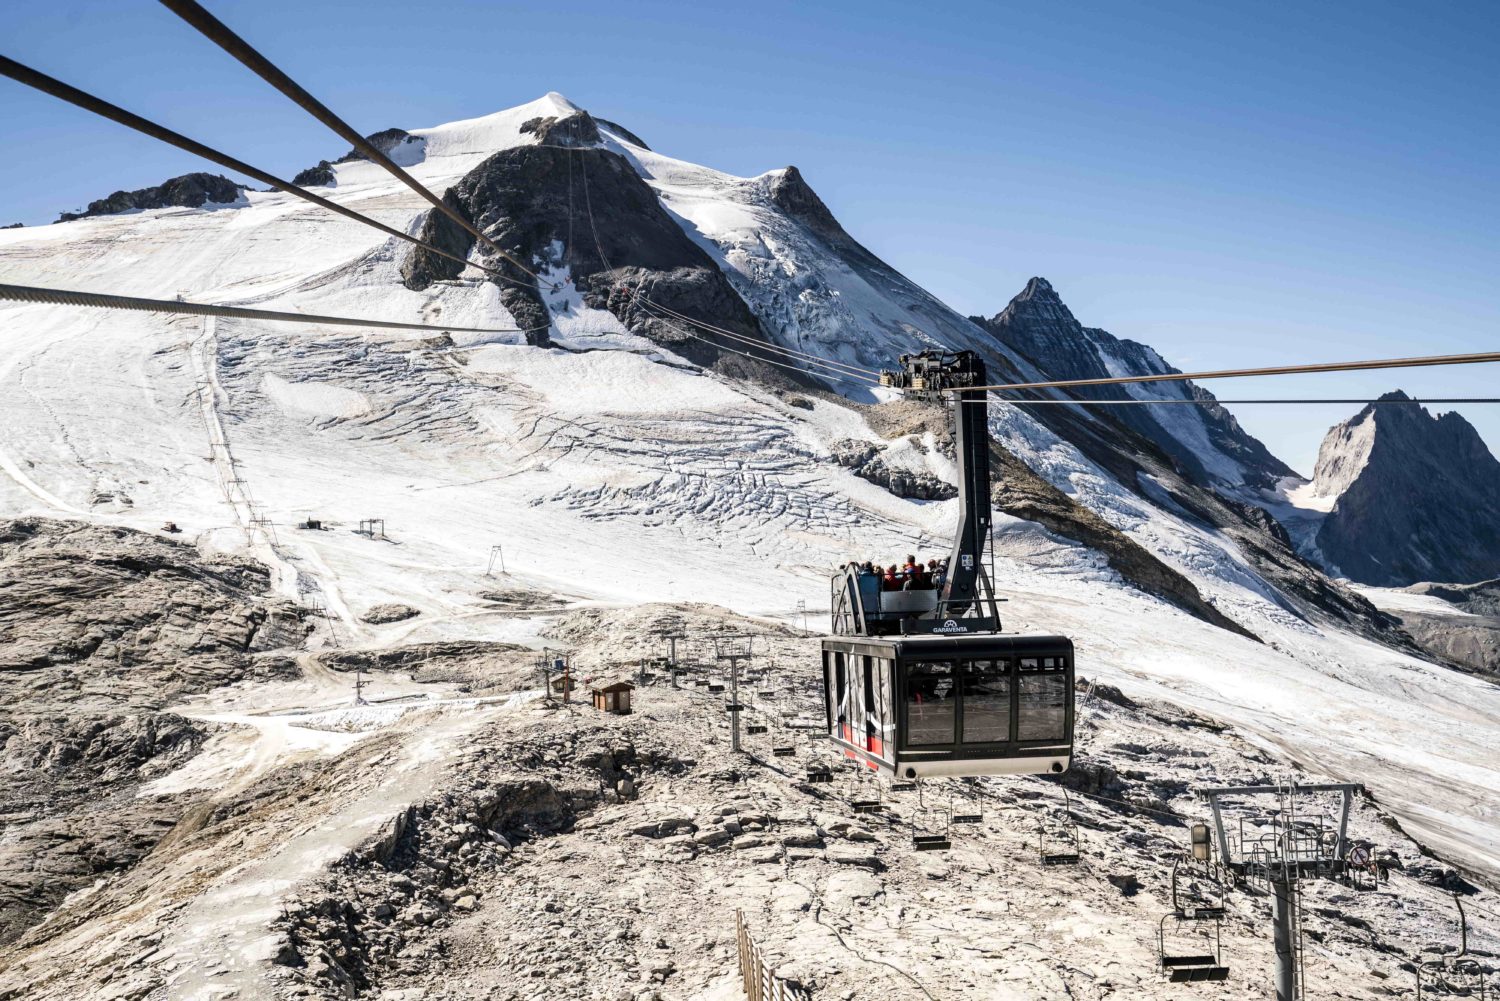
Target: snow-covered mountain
{"x": 618, "y": 456}
{"x": 1410, "y": 497}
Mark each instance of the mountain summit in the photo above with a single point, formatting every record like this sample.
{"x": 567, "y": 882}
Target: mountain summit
{"x": 1418, "y": 497}
{"x": 1205, "y": 440}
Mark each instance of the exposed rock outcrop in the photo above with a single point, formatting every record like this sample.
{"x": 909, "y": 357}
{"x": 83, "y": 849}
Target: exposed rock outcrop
{"x": 1470, "y": 638}
{"x": 101, "y": 629}
{"x": 1418, "y": 497}
{"x": 390, "y": 612}
{"x": 865, "y": 459}
{"x": 188, "y": 191}
{"x": 1038, "y": 325}
{"x": 565, "y": 205}
{"x": 398, "y": 144}
{"x": 313, "y": 177}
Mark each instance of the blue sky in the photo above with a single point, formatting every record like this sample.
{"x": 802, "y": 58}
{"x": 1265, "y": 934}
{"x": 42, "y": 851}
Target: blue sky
{"x": 1234, "y": 184}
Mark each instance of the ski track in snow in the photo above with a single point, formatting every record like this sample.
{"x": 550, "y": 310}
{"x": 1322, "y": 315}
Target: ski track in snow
{"x": 617, "y": 475}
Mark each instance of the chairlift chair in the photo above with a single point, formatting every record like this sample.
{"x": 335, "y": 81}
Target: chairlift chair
{"x": 931, "y": 829}
{"x": 1197, "y": 889}
{"x": 866, "y": 795}
{"x": 819, "y": 774}
{"x": 1058, "y": 840}
{"x": 1454, "y": 978}
{"x": 1194, "y": 951}
{"x": 1458, "y": 975}
{"x": 966, "y": 806}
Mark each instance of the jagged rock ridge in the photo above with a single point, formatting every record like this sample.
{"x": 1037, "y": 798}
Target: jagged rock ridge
{"x": 1038, "y": 325}
{"x": 1418, "y": 497}
{"x": 188, "y": 191}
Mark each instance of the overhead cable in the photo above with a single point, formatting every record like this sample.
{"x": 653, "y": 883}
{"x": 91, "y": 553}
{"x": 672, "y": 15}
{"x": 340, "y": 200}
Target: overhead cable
{"x": 220, "y": 34}
{"x": 1424, "y": 361}
{"x": 1211, "y": 403}
{"x": 68, "y": 297}
{"x": 56, "y": 88}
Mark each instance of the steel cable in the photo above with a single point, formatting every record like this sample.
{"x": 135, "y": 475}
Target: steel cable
{"x": 56, "y": 88}
{"x": 1210, "y": 403}
{"x": 69, "y": 297}
{"x": 1477, "y": 358}
{"x": 220, "y": 34}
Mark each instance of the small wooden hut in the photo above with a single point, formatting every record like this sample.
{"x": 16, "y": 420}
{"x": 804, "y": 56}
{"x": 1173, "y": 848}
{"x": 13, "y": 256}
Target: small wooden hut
{"x": 612, "y": 695}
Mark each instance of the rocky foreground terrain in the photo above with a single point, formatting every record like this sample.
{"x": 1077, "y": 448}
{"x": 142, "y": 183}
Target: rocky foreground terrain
{"x": 195, "y": 808}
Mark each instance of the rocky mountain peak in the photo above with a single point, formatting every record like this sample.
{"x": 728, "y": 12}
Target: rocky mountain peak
{"x": 1039, "y": 306}
{"x": 1208, "y": 444}
{"x": 575, "y": 129}
{"x": 790, "y": 192}
{"x": 398, "y": 144}
{"x": 1418, "y": 496}
{"x": 188, "y": 191}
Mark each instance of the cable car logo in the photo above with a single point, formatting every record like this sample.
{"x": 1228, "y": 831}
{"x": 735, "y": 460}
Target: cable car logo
{"x": 950, "y": 626}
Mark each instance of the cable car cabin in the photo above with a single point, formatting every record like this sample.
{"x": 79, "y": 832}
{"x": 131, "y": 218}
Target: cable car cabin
{"x": 930, "y": 705}
{"x": 919, "y": 680}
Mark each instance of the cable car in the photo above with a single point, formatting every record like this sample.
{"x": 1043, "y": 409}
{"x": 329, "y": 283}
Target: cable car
{"x": 923, "y": 683}
{"x": 924, "y": 706}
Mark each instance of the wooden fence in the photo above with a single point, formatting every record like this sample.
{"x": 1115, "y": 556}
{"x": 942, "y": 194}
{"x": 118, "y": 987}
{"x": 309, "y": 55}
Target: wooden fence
{"x": 761, "y": 982}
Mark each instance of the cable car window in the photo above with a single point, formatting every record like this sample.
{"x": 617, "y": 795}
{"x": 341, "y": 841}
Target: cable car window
{"x": 986, "y": 697}
{"x": 867, "y": 716}
{"x": 885, "y": 716}
{"x": 931, "y": 702}
{"x": 1043, "y": 700}
{"x": 841, "y": 691}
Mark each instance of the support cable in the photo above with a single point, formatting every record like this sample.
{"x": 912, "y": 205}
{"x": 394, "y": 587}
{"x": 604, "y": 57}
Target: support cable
{"x": 1211, "y": 403}
{"x": 220, "y": 34}
{"x": 832, "y": 377}
{"x": 854, "y": 369}
{"x": 68, "y": 297}
{"x": 56, "y": 88}
{"x": 1421, "y": 361}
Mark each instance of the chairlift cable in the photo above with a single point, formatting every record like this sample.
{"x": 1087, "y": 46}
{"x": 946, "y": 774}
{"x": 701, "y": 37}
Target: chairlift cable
{"x": 70, "y": 297}
{"x": 78, "y": 98}
{"x": 220, "y": 34}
